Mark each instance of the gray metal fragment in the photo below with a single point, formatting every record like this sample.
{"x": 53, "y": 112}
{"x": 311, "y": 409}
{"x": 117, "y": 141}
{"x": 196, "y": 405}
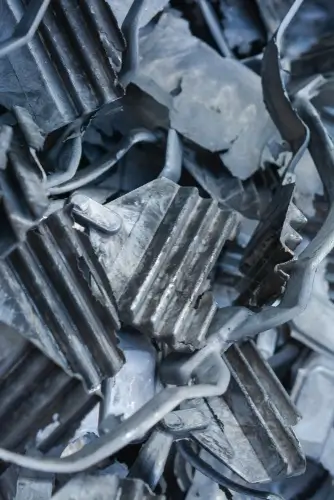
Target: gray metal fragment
{"x": 256, "y": 416}
{"x": 159, "y": 261}
{"x": 314, "y": 327}
{"x": 105, "y": 488}
{"x": 266, "y": 342}
{"x": 34, "y": 489}
{"x": 134, "y": 385}
{"x": 313, "y": 393}
{"x": 53, "y": 293}
{"x": 151, "y": 460}
{"x": 182, "y": 422}
{"x": 203, "y": 488}
{"x": 213, "y": 101}
{"x": 92, "y": 213}
{"x": 150, "y": 9}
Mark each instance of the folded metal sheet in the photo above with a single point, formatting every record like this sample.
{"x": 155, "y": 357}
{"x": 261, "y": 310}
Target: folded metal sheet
{"x": 55, "y": 293}
{"x": 158, "y": 263}
{"x": 69, "y": 68}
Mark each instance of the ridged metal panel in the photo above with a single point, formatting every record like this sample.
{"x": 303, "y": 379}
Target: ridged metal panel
{"x": 159, "y": 262}
{"x": 69, "y": 68}
{"x": 32, "y": 390}
{"x": 55, "y": 293}
{"x": 251, "y": 424}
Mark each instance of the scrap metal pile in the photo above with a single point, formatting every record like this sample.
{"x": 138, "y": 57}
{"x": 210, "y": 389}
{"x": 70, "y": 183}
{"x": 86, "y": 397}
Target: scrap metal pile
{"x": 166, "y": 249}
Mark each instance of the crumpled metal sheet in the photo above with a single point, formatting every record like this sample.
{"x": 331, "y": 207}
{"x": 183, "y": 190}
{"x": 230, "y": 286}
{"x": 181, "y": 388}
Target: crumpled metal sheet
{"x": 198, "y": 86}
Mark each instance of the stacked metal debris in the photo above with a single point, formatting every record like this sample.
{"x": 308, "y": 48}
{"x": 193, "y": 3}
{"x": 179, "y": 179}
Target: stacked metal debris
{"x": 166, "y": 247}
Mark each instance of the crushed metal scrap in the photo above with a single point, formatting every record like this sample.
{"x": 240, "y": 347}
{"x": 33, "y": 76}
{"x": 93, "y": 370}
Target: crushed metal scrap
{"x": 166, "y": 250}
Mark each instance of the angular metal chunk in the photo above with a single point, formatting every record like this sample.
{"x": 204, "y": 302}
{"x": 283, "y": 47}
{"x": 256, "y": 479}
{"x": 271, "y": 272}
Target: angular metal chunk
{"x": 55, "y": 293}
{"x": 250, "y": 429}
{"x": 158, "y": 263}
{"x": 69, "y": 67}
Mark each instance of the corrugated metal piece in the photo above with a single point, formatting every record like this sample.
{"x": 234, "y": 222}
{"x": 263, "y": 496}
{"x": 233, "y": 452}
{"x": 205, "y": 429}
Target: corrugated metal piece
{"x": 55, "y": 293}
{"x": 23, "y": 199}
{"x": 32, "y": 390}
{"x": 251, "y": 424}
{"x": 106, "y": 488}
{"x": 69, "y": 68}
{"x": 272, "y": 243}
{"x": 159, "y": 261}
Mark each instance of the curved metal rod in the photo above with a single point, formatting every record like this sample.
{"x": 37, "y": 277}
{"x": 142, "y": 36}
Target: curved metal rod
{"x": 75, "y": 145}
{"x": 26, "y": 28}
{"x": 131, "y": 429}
{"x": 130, "y": 30}
{"x": 276, "y": 98}
{"x": 202, "y": 466}
{"x": 174, "y": 157}
{"x": 94, "y": 171}
{"x": 215, "y": 28}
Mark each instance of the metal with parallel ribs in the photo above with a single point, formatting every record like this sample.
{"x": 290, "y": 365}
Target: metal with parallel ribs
{"x": 105, "y": 487}
{"x": 273, "y": 242}
{"x": 158, "y": 263}
{"x": 250, "y": 429}
{"x": 55, "y": 293}
{"x": 23, "y": 200}
{"x": 32, "y": 390}
{"x": 69, "y": 69}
